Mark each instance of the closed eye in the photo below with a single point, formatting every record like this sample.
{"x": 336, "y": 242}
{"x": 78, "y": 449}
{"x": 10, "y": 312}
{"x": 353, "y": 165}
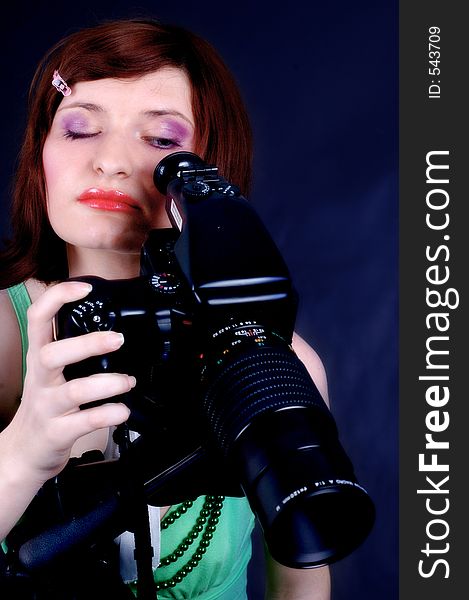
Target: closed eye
{"x": 163, "y": 143}
{"x": 78, "y": 135}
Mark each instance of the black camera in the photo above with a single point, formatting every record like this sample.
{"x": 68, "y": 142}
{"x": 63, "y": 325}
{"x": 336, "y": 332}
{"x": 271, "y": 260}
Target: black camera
{"x": 223, "y": 404}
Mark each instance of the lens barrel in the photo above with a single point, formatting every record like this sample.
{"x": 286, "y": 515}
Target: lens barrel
{"x": 273, "y": 427}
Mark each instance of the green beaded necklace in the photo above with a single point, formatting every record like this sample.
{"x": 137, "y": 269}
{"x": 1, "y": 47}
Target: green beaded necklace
{"x": 205, "y": 524}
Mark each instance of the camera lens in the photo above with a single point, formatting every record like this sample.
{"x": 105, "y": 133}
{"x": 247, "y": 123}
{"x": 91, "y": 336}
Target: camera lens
{"x": 278, "y": 435}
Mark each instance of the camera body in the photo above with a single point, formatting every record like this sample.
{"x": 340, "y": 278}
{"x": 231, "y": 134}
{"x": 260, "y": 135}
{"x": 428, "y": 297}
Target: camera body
{"x": 222, "y": 403}
{"x": 155, "y": 315}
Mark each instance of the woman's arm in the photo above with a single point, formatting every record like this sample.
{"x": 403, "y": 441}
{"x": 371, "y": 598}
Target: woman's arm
{"x": 36, "y": 444}
{"x": 284, "y": 583}
{"x": 313, "y": 364}
{"x": 10, "y": 361}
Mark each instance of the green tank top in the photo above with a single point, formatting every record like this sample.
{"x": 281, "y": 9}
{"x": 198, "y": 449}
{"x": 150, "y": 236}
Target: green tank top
{"x": 21, "y": 301}
{"x": 221, "y": 573}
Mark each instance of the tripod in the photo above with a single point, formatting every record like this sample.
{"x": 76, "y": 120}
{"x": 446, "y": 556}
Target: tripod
{"x": 133, "y": 495}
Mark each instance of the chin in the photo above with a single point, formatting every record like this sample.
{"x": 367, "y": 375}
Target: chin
{"x": 115, "y": 241}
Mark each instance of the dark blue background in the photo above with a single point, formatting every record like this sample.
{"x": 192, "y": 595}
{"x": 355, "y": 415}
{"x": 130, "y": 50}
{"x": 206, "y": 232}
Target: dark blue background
{"x": 321, "y": 87}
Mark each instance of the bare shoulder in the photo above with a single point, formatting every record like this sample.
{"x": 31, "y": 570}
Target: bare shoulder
{"x": 10, "y": 360}
{"x": 313, "y": 363}
{"x": 11, "y": 352}
{"x": 35, "y": 288}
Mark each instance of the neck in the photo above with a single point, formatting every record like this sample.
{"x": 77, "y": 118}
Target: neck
{"x": 102, "y": 263}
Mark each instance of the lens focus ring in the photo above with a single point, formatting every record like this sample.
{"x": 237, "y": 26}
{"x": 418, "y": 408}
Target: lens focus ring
{"x": 261, "y": 380}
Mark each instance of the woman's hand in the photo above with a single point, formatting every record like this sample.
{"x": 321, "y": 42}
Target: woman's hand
{"x": 37, "y": 443}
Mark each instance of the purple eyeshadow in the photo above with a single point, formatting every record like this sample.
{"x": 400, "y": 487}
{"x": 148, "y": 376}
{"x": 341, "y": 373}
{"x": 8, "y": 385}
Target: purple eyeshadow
{"x": 174, "y": 129}
{"x": 74, "y": 123}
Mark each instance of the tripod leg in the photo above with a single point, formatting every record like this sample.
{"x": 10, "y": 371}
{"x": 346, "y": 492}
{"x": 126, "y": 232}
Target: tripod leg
{"x": 135, "y": 502}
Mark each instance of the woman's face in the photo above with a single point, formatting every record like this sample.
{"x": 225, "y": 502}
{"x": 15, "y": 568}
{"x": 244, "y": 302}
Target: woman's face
{"x": 105, "y": 141}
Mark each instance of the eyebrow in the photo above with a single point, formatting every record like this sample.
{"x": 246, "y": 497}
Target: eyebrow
{"x": 147, "y": 113}
{"x": 86, "y": 105}
{"x": 164, "y": 112}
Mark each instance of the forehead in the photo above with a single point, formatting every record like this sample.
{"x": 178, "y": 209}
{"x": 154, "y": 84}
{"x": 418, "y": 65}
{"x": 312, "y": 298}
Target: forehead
{"x": 167, "y": 89}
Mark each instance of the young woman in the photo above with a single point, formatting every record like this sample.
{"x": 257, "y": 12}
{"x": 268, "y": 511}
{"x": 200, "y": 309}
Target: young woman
{"x": 125, "y": 94}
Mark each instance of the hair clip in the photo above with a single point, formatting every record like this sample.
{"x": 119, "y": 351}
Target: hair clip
{"x": 60, "y": 84}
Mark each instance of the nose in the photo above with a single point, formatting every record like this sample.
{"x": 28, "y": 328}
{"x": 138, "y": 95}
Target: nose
{"x": 112, "y": 158}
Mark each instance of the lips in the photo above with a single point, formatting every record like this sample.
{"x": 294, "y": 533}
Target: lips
{"x": 112, "y": 200}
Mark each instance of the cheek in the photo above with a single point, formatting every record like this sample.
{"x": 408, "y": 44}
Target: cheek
{"x": 159, "y": 218}
{"x": 188, "y": 145}
{"x": 55, "y": 165}
{"x": 52, "y": 166}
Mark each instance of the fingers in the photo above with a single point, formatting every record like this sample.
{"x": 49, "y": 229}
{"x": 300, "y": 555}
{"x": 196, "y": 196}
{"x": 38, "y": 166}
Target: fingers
{"x": 56, "y": 355}
{"x": 85, "y": 421}
{"x": 101, "y": 386}
{"x": 49, "y": 420}
{"x": 50, "y": 449}
{"x": 47, "y": 358}
{"x": 42, "y": 311}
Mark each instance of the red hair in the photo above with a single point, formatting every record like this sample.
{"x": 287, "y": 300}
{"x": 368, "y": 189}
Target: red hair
{"x": 119, "y": 49}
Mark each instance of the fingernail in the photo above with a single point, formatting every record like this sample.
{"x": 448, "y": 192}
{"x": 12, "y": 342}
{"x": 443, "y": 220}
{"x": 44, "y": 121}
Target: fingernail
{"x": 117, "y": 339}
{"x": 132, "y": 381}
{"x": 83, "y": 285}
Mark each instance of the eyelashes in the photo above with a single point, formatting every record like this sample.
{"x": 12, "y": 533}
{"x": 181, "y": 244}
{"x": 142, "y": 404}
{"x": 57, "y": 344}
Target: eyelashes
{"x": 78, "y": 135}
{"x": 161, "y": 143}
